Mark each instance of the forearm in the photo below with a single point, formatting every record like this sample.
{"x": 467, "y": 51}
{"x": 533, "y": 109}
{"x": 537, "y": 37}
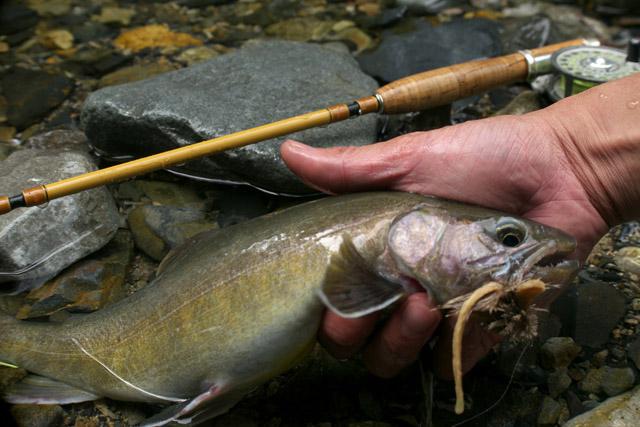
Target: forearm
{"x": 599, "y": 132}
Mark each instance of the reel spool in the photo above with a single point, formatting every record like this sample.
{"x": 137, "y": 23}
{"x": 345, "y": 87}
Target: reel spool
{"x": 583, "y": 67}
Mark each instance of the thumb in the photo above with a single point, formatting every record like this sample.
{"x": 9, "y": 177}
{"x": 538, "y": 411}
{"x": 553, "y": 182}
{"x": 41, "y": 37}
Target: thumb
{"x": 350, "y": 169}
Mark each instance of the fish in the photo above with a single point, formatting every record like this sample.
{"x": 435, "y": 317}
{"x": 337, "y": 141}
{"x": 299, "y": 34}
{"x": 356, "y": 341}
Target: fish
{"x": 234, "y": 307}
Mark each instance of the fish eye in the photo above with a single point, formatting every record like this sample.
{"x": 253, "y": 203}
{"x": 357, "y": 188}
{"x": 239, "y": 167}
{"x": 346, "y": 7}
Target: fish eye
{"x": 510, "y": 233}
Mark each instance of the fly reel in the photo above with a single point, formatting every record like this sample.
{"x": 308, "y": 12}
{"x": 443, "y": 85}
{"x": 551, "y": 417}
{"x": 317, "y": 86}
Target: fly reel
{"x": 583, "y": 67}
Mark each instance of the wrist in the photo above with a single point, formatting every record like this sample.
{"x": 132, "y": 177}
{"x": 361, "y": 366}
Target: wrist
{"x": 599, "y": 133}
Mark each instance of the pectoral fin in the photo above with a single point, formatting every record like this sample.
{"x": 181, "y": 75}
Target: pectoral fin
{"x": 351, "y": 288}
{"x": 38, "y": 390}
{"x": 211, "y": 403}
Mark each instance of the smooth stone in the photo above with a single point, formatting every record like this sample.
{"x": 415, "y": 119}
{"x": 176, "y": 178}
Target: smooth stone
{"x": 59, "y": 139}
{"x": 38, "y": 415}
{"x": 96, "y": 61}
{"x": 197, "y": 54}
{"x": 7, "y": 133}
{"x": 526, "y": 33}
{"x": 57, "y": 39}
{"x": 558, "y": 352}
{"x": 590, "y": 311}
{"x": 32, "y": 94}
{"x": 426, "y": 47}
{"x": 617, "y": 380}
{"x": 64, "y": 231}
{"x": 558, "y": 381}
{"x": 549, "y": 412}
{"x": 619, "y": 411}
{"x": 164, "y": 193}
{"x": 611, "y": 381}
{"x": 135, "y": 73}
{"x": 88, "y": 31}
{"x": 158, "y": 229}
{"x": 257, "y": 84}
{"x": 154, "y": 36}
{"x": 87, "y": 285}
{"x": 5, "y": 150}
{"x": 570, "y": 23}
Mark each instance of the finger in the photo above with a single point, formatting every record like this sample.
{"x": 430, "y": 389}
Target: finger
{"x": 344, "y": 337}
{"x": 476, "y": 344}
{"x": 398, "y": 344}
{"x": 348, "y": 169}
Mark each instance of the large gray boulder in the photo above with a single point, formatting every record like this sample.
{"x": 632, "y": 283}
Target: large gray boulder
{"x": 258, "y": 84}
{"x": 36, "y": 244}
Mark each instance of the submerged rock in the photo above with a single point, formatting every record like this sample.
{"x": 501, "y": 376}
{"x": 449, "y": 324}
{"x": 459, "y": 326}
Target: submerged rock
{"x": 426, "y": 47}
{"x": 39, "y": 243}
{"x": 258, "y": 84}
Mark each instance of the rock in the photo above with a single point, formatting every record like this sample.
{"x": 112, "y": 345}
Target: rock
{"x": 135, "y": 73}
{"x": 523, "y": 103}
{"x": 558, "y": 352}
{"x": 427, "y": 47}
{"x": 633, "y": 350}
{"x": 526, "y": 33}
{"x": 258, "y": 84}
{"x": 5, "y": 150}
{"x": 549, "y": 412}
{"x": 164, "y": 193}
{"x": 85, "y": 286}
{"x": 96, "y": 61}
{"x": 620, "y": 411}
{"x": 7, "y": 133}
{"x": 38, "y": 415}
{"x": 39, "y": 243}
{"x": 617, "y": 380}
{"x": 158, "y": 229}
{"x": 628, "y": 259}
{"x": 558, "y": 381}
{"x": 32, "y": 94}
{"x": 430, "y": 6}
{"x": 57, "y": 39}
{"x": 90, "y": 30}
{"x": 15, "y": 17}
{"x": 50, "y": 7}
{"x": 301, "y": 29}
{"x": 569, "y": 23}
{"x": 153, "y": 36}
{"x": 197, "y": 54}
{"x": 590, "y": 311}
{"x": 115, "y": 15}
{"x": 60, "y": 139}
{"x": 611, "y": 381}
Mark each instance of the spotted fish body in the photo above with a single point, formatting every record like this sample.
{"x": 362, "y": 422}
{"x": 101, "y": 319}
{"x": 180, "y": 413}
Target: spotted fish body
{"x": 235, "y": 307}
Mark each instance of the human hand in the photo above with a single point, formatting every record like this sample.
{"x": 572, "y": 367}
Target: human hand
{"x": 513, "y": 164}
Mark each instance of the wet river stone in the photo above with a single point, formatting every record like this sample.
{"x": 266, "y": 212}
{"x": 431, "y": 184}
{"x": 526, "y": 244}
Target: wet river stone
{"x": 260, "y": 83}
{"x": 619, "y": 411}
{"x": 39, "y": 243}
{"x": 425, "y": 47}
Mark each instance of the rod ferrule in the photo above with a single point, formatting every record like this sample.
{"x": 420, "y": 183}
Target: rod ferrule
{"x": 380, "y": 103}
{"x": 536, "y": 65}
{"x": 35, "y": 196}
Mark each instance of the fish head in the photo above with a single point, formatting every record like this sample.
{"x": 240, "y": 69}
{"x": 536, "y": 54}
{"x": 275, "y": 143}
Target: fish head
{"x": 451, "y": 252}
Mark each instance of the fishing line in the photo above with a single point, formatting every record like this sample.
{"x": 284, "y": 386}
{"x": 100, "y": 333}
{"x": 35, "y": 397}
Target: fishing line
{"x": 504, "y": 393}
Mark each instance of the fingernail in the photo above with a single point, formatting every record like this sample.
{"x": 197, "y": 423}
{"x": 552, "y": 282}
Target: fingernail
{"x": 297, "y": 146}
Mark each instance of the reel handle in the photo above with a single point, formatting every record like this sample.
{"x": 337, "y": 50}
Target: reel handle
{"x": 445, "y": 85}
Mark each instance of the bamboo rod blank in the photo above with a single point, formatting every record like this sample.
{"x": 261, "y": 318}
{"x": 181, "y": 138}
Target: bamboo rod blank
{"x": 413, "y": 93}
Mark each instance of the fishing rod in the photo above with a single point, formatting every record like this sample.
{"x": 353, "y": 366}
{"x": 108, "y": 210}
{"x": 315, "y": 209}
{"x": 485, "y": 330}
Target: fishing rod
{"x": 413, "y": 93}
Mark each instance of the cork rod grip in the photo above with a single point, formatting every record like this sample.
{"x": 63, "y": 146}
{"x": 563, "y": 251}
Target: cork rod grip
{"x": 445, "y": 85}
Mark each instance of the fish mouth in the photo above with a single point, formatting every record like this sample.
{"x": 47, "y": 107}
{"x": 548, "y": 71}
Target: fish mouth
{"x": 548, "y": 262}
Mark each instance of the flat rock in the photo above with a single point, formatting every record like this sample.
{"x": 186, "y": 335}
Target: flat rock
{"x": 87, "y": 285}
{"x": 59, "y": 139}
{"x": 135, "y": 73}
{"x": 426, "y": 47}
{"x": 39, "y": 243}
{"x": 619, "y": 411}
{"x": 258, "y": 84}
{"x": 32, "y": 94}
{"x": 38, "y": 415}
{"x": 558, "y": 352}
